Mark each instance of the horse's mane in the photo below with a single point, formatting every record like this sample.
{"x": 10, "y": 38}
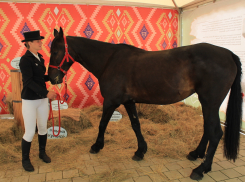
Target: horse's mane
{"x": 130, "y": 46}
{"x": 105, "y": 43}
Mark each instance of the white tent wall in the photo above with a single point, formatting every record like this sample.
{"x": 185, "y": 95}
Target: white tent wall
{"x": 221, "y": 23}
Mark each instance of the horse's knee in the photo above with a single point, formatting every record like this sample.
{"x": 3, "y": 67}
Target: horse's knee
{"x": 135, "y": 125}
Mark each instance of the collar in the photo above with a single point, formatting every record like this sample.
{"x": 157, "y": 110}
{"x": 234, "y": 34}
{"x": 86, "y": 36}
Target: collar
{"x": 41, "y": 62}
{"x": 28, "y": 53}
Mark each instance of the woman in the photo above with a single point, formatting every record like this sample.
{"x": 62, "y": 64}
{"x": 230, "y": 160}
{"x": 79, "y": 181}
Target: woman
{"x": 34, "y": 98}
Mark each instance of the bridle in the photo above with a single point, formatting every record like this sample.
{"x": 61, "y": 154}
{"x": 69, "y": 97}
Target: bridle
{"x": 66, "y": 57}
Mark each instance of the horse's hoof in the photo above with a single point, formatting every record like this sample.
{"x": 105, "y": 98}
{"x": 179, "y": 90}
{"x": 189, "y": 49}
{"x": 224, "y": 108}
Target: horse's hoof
{"x": 136, "y": 158}
{"x": 196, "y": 176}
{"x": 189, "y": 157}
{"x": 93, "y": 152}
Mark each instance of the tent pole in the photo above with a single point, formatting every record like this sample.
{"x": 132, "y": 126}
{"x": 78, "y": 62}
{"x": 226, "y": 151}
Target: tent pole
{"x": 176, "y": 6}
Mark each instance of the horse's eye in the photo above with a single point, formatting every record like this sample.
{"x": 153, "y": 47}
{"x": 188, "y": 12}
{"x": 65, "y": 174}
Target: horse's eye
{"x": 56, "y": 52}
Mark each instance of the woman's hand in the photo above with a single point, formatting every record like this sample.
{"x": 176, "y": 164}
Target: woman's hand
{"x": 51, "y": 95}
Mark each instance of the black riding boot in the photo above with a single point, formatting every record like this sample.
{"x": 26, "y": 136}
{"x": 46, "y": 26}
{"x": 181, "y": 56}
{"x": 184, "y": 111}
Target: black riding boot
{"x": 26, "y": 163}
{"x": 42, "y": 139}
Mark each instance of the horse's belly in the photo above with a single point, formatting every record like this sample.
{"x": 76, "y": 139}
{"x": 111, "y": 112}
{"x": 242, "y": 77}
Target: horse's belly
{"x": 160, "y": 96}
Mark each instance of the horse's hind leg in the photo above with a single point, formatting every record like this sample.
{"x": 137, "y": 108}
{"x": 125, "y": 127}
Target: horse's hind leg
{"x": 108, "y": 110}
{"x": 212, "y": 133}
{"x": 142, "y": 146}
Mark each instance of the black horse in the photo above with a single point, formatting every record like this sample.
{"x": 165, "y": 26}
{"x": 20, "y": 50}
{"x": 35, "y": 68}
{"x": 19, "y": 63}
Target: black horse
{"x": 129, "y": 75}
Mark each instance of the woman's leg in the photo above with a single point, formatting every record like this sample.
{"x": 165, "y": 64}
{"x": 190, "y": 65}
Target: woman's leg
{"x": 29, "y": 116}
{"x": 42, "y": 118}
{"x": 29, "y": 108}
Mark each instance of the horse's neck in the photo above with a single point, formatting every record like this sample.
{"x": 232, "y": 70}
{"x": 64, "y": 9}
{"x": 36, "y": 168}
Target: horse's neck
{"x": 93, "y": 55}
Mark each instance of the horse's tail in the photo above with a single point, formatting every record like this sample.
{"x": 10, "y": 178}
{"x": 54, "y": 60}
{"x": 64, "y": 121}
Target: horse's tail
{"x": 234, "y": 115}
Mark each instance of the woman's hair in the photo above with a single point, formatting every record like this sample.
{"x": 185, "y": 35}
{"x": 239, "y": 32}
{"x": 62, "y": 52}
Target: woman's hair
{"x": 27, "y": 44}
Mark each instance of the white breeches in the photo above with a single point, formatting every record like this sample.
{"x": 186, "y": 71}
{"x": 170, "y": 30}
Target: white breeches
{"x": 35, "y": 111}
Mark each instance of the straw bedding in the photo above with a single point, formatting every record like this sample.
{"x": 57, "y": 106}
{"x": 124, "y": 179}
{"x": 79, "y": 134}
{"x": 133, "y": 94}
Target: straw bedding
{"x": 170, "y": 131}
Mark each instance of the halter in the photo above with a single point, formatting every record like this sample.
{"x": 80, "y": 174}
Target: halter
{"x": 66, "y": 57}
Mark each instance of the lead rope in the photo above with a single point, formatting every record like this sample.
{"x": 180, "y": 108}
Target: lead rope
{"x": 60, "y": 101}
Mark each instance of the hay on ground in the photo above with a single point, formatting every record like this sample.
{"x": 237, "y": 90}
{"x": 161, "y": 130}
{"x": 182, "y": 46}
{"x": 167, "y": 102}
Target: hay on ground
{"x": 9, "y": 131}
{"x": 170, "y": 131}
{"x": 73, "y": 120}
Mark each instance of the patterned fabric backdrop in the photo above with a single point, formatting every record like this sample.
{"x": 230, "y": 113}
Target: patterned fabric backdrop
{"x": 147, "y": 28}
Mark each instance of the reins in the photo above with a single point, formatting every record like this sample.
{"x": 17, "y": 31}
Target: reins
{"x": 60, "y": 101}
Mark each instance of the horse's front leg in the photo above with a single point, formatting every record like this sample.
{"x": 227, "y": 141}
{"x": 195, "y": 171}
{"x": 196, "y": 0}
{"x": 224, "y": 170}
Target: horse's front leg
{"x": 142, "y": 146}
{"x": 108, "y": 110}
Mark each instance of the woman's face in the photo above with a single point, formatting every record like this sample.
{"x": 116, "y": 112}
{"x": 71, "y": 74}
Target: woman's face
{"x": 36, "y": 45}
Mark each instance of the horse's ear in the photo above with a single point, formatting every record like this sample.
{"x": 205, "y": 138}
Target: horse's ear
{"x": 61, "y": 32}
{"x": 55, "y": 32}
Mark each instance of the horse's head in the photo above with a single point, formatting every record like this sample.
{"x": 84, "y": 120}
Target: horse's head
{"x": 57, "y": 54}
